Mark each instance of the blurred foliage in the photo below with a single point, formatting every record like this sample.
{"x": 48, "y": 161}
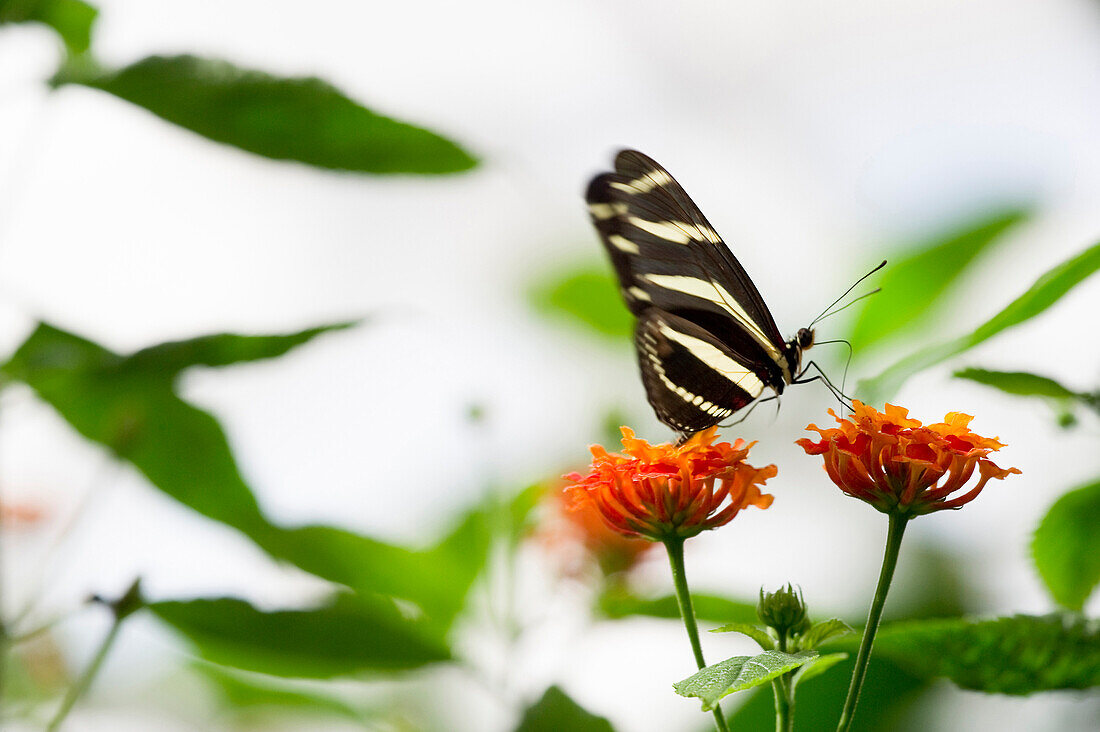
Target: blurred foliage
{"x": 586, "y": 295}
{"x": 349, "y": 635}
{"x": 303, "y": 119}
{"x": 915, "y": 281}
{"x": 255, "y": 696}
{"x": 72, "y": 19}
{"x": 1066, "y": 546}
{"x": 1015, "y": 655}
{"x": 556, "y": 712}
{"x": 740, "y": 673}
{"x": 887, "y": 695}
{"x": 1046, "y": 291}
{"x": 1022, "y": 383}
{"x": 616, "y": 601}
{"x": 129, "y": 405}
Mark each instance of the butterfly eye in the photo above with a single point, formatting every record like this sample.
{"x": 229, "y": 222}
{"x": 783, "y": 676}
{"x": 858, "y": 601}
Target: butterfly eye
{"x": 805, "y": 338}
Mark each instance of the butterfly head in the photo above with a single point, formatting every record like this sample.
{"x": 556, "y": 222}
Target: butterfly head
{"x": 805, "y": 338}
{"x": 793, "y": 352}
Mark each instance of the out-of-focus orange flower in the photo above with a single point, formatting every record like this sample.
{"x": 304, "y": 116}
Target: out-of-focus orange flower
{"x": 670, "y": 491}
{"x": 579, "y": 537}
{"x": 898, "y": 465}
{"x": 21, "y": 515}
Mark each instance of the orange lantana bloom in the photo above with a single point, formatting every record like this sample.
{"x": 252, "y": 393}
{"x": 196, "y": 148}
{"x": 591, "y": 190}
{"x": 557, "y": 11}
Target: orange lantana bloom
{"x": 667, "y": 491}
{"x": 898, "y": 465}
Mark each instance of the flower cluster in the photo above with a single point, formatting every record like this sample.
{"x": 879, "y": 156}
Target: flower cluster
{"x": 898, "y": 465}
{"x": 670, "y": 491}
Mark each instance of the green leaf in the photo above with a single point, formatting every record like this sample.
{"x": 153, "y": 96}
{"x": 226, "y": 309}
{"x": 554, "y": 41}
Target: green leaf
{"x": 556, "y": 712}
{"x": 247, "y": 692}
{"x": 129, "y": 405}
{"x": 1014, "y": 655}
{"x": 823, "y": 631}
{"x": 586, "y": 295}
{"x": 755, "y": 632}
{"x": 887, "y": 693}
{"x": 739, "y": 673}
{"x": 617, "y": 602}
{"x": 1046, "y": 291}
{"x": 222, "y": 349}
{"x": 916, "y": 280}
{"x": 1019, "y": 383}
{"x": 348, "y": 636}
{"x": 72, "y": 19}
{"x": 1066, "y": 546}
{"x": 815, "y": 668}
{"x": 303, "y": 119}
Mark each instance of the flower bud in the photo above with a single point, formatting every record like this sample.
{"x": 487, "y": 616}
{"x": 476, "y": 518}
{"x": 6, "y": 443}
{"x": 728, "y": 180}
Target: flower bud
{"x": 784, "y": 610}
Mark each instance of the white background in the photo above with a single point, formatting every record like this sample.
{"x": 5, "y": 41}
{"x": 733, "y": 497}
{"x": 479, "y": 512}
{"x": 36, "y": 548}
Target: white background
{"x": 818, "y": 137}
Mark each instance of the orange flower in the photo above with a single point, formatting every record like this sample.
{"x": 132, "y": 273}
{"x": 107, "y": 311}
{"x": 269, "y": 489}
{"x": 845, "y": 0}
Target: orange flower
{"x": 667, "y": 491}
{"x": 899, "y": 466}
{"x": 579, "y": 537}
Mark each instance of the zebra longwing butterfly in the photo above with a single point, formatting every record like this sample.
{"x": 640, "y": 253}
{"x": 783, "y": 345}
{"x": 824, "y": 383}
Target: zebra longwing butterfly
{"x": 707, "y": 343}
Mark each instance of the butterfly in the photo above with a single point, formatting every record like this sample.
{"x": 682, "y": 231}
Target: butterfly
{"x": 707, "y": 344}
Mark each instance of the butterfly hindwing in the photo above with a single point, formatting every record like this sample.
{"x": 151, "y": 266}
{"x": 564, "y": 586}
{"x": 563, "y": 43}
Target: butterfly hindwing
{"x": 692, "y": 378}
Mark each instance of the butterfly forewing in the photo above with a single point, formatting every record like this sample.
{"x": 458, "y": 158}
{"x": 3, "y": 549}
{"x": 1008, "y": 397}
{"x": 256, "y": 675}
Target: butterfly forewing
{"x": 707, "y": 343}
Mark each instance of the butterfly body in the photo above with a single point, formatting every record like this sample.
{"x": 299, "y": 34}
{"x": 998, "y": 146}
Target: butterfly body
{"x": 707, "y": 344}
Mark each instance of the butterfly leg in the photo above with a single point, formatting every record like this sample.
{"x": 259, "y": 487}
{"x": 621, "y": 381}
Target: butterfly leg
{"x": 841, "y": 397}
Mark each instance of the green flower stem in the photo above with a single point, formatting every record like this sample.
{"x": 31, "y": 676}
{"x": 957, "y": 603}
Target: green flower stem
{"x": 675, "y": 547}
{"x": 77, "y": 689}
{"x": 889, "y": 563}
{"x": 784, "y": 696}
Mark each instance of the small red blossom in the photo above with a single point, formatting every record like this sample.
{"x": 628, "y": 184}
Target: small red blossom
{"x": 898, "y": 465}
{"x": 670, "y": 491}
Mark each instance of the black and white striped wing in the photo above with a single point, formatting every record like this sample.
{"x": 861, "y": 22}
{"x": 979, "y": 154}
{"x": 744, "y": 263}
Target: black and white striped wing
{"x": 678, "y": 276}
{"x": 691, "y": 378}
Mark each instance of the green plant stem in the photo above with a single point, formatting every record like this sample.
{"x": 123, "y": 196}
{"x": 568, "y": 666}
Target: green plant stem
{"x": 77, "y": 689}
{"x": 889, "y": 563}
{"x": 675, "y": 547}
{"x": 784, "y": 696}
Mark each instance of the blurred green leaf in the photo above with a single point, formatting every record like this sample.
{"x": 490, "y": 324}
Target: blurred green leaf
{"x": 739, "y": 673}
{"x": 824, "y": 631}
{"x": 585, "y": 295}
{"x": 888, "y": 691}
{"x": 758, "y": 634}
{"x": 247, "y": 692}
{"x": 348, "y": 636}
{"x": 815, "y": 668}
{"x": 222, "y": 349}
{"x": 1014, "y": 655}
{"x": 915, "y": 281}
{"x": 1019, "y": 383}
{"x": 1066, "y": 546}
{"x": 303, "y": 119}
{"x": 1046, "y": 291}
{"x": 556, "y": 712}
{"x": 617, "y": 602}
{"x": 72, "y": 19}
{"x": 129, "y": 405}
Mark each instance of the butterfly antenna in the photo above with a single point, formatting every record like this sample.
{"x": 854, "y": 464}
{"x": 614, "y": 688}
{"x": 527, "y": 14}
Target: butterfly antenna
{"x": 854, "y": 285}
{"x": 831, "y": 313}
